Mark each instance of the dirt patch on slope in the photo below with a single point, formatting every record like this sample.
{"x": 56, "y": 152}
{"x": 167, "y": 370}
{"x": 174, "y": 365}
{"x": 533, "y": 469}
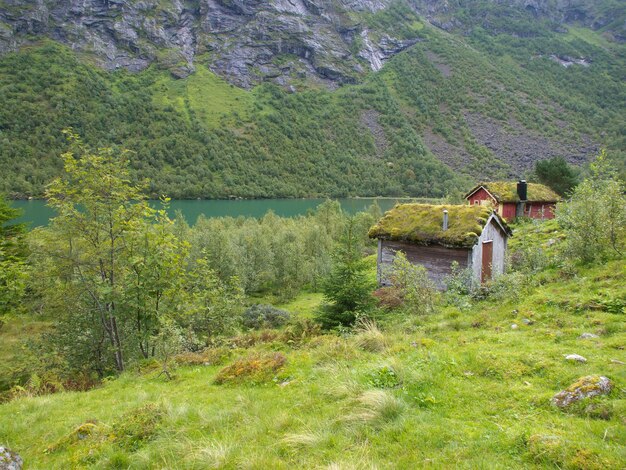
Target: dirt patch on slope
{"x": 369, "y": 120}
{"x": 521, "y": 147}
{"x": 439, "y": 64}
{"x": 454, "y": 156}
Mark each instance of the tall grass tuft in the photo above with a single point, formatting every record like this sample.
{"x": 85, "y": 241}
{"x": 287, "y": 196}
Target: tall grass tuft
{"x": 377, "y": 407}
{"x": 369, "y": 337}
{"x": 305, "y": 439}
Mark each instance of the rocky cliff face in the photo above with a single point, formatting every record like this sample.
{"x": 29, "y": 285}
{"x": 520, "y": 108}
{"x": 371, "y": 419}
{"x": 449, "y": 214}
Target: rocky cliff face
{"x": 245, "y": 41}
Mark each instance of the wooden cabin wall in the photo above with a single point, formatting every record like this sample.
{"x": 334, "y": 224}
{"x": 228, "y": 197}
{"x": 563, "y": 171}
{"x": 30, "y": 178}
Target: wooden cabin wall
{"x": 491, "y": 232}
{"x": 539, "y": 210}
{"x": 481, "y": 197}
{"x": 507, "y": 210}
{"x": 436, "y": 259}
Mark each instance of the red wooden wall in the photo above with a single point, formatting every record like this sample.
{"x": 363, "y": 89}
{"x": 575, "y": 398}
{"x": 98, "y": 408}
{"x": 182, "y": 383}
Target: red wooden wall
{"x": 480, "y": 195}
{"x": 534, "y": 210}
{"x": 508, "y": 210}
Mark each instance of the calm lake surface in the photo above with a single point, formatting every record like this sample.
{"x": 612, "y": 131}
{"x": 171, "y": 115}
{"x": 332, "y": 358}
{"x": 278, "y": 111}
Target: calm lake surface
{"x": 36, "y": 213}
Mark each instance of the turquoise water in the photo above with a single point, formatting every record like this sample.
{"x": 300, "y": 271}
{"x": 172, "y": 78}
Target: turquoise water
{"x": 36, "y": 213}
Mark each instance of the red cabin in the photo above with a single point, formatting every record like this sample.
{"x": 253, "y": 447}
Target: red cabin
{"x": 512, "y": 200}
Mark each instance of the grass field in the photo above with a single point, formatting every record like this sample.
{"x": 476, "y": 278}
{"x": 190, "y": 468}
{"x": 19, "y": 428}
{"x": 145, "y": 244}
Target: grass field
{"x": 465, "y": 390}
{"x": 459, "y": 388}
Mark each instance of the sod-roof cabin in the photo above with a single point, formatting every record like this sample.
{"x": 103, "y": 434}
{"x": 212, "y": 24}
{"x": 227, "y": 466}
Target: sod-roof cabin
{"x": 435, "y": 236}
{"x": 513, "y": 200}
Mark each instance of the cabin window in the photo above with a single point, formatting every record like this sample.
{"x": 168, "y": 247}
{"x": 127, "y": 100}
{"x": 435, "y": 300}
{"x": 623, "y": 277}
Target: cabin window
{"x": 476, "y": 202}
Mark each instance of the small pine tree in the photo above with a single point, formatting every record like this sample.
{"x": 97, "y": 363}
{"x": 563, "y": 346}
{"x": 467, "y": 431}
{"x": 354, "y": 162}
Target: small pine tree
{"x": 347, "y": 288}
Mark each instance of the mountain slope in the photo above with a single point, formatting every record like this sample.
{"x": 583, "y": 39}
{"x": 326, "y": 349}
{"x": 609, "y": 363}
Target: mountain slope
{"x": 477, "y": 101}
{"x": 241, "y": 40}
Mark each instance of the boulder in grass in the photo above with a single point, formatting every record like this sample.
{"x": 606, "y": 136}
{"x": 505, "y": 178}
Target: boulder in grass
{"x": 575, "y": 358}
{"x": 585, "y": 387}
{"x": 10, "y": 460}
{"x": 588, "y": 336}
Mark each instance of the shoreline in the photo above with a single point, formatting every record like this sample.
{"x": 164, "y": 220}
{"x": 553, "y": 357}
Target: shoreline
{"x": 233, "y": 199}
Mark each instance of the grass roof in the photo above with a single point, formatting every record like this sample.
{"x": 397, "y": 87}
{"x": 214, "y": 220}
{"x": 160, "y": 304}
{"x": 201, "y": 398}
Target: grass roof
{"x": 422, "y": 224}
{"x": 506, "y": 191}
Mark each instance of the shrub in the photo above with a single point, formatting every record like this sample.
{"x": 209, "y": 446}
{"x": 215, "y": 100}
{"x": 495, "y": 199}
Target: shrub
{"x": 255, "y": 369}
{"x": 264, "y": 316}
{"x": 300, "y": 329}
{"x": 36, "y": 386}
{"x": 615, "y": 304}
{"x": 208, "y": 357}
{"x": 460, "y": 286}
{"x": 413, "y": 284}
{"x": 384, "y": 377}
{"x": 135, "y": 427}
{"x": 389, "y": 298}
{"x": 529, "y": 259}
{"x": 594, "y": 219}
{"x": 253, "y": 338}
{"x": 508, "y": 286}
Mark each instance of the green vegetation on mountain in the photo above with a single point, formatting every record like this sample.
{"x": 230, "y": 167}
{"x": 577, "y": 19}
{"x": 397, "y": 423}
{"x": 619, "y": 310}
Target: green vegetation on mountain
{"x": 445, "y": 112}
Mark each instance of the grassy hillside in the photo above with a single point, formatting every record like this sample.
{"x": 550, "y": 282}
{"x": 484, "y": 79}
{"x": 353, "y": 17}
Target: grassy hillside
{"x": 461, "y": 387}
{"x": 204, "y": 95}
{"x": 446, "y": 111}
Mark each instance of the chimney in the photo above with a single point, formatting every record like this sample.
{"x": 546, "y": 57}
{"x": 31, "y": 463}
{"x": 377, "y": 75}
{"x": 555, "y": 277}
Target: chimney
{"x": 522, "y": 190}
{"x": 445, "y": 220}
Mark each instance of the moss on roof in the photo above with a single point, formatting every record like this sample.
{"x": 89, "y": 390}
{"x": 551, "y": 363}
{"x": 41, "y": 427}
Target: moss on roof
{"x": 422, "y": 224}
{"x": 506, "y": 191}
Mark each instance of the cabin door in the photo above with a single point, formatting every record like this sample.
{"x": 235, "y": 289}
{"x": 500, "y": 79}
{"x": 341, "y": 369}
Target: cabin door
{"x": 487, "y": 261}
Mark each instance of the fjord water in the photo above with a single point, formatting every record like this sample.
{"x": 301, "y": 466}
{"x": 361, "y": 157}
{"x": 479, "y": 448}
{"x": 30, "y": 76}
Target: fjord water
{"x": 36, "y": 213}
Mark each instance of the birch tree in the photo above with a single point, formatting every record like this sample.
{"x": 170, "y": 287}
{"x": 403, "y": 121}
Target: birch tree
{"x": 109, "y": 262}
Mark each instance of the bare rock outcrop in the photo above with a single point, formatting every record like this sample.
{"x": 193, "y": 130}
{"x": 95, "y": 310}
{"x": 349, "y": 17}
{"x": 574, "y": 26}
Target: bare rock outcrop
{"x": 245, "y": 41}
{"x": 10, "y": 460}
{"x": 584, "y": 387}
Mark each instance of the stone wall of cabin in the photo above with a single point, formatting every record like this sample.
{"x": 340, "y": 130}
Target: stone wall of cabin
{"x": 491, "y": 232}
{"x": 436, "y": 259}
